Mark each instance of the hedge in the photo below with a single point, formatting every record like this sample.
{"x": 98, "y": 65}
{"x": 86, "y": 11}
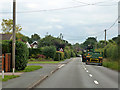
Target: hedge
{"x": 6, "y": 44}
{"x": 111, "y": 52}
{"x": 72, "y": 53}
{"x": 21, "y": 55}
{"x": 33, "y": 52}
{"x": 67, "y": 54}
{"x": 49, "y": 51}
{"x": 59, "y": 56}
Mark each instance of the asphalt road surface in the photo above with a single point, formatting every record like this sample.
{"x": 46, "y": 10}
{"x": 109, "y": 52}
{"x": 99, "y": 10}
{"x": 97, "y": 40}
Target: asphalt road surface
{"x": 77, "y": 74}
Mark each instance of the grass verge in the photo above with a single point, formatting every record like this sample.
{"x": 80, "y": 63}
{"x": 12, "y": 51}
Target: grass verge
{"x": 8, "y": 77}
{"x": 111, "y": 64}
{"x": 30, "y": 68}
{"x": 43, "y": 62}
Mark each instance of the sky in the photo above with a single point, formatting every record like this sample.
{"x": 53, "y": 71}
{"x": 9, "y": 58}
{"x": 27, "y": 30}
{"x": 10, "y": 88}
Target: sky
{"x": 75, "y": 19}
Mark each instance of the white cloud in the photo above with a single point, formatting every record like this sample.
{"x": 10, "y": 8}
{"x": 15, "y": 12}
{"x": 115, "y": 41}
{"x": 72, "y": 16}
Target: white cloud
{"x": 44, "y": 27}
{"x": 76, "y": 21}
{"x": 59, "y": 26}
{"x": 54, "y": 20}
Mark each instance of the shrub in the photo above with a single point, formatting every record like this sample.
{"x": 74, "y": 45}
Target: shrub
{"x": 49, "y": 51}
{"x": 6, "y": 44}
{"x": 32, "y": 59}
{"x": 72, "y": 53}
{"x": 34, "y": 52}
{"x": 41, "y": 56}
{"x": 21, "y": 56}
{"x": 59, "y": 56}
{"x": 111, "y": 52}
{"x": 21, "y": 53}
{"x": 67, "y": 54}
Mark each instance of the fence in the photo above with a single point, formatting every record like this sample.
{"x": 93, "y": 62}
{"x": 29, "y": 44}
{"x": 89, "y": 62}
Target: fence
{"x": 5, "y": 62}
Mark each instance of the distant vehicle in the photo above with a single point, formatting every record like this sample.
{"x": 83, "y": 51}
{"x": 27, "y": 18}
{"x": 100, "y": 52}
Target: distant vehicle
{"x": 89, "y": 56}
{"x": 94, "y": 58}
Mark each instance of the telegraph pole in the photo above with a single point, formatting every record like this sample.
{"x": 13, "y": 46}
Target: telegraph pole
{"x": 14, "y": 38}
{"x": 105, "y": 37}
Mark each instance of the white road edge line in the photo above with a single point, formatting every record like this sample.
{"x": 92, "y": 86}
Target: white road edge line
{"x": 96, "y": 82}
{"x": 90, "y": 75}
{"x": 61, "y": 66}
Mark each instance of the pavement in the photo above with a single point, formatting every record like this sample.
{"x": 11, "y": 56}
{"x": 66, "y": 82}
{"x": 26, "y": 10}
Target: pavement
{"x": 31, "y": 79}
{"x": 77, "y": 74}
{"x": 10, "y": 73}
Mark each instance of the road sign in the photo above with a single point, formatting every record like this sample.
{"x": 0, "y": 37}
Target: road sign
{"x": 61, "y": 50}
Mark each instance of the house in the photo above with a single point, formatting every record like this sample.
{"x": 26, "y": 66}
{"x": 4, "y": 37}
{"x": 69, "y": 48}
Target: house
{"x": 5, "y": 36}
{"x": 28, "y": 45}
{"x": 9, "y": 37}
{"x": 34, "y": 44}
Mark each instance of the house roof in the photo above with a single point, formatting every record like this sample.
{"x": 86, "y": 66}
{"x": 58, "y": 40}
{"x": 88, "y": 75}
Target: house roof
{"x": 35, "y": 42}
{"x": 5, "y": 36}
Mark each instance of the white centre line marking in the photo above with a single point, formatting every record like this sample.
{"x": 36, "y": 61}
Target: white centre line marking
{"x": 96, "y": 82}
{"x": 86, "y": 70}
{"x": 90, "y": 75}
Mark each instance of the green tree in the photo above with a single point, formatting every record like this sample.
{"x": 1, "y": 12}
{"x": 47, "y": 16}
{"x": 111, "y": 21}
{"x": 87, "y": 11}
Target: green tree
{"x": 90, "y": 41}
{"x": 35, "y": 37}
{"x": 7, "y": 26}
{"x": 52, "y": 41}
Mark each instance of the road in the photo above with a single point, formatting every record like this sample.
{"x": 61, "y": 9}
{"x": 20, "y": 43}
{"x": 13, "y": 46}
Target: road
{"x": 76, "y": 74}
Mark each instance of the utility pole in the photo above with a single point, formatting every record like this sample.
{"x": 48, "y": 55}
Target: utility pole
{"x": 14, "y": 38}
{"x": 105, "y": 37}
{"x": 96, "y": 43}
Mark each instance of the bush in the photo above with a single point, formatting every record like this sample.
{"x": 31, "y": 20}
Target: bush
{"x": 59, "y": 56}
{"x": 21, "y": 56}
{"x": 111, "y": 52}
{"x": 41, "y": 56}
{"x": 72, "y": 53}
{"x": 21, "y": 53}
{"x": 33, "y": 52}
{"x": 49, "y": 51}
{"x": 67, "y": 54}
{"x": 6, "y": 44}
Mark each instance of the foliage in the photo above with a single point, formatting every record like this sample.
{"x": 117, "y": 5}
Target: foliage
{"x": 6, "y": 44}
{"x": 7, "y": 26}
{"x": 41, "y": 56}
{"x": 111, "y": 52}
{"x": 52, "y": 41}
{"x": 33, "y": 52}
{"x": 35, "y": 37}
{"x": 90, "y": 41}
{"x": 21, "y": 37}
{"x": 49, "y": 51}
{"x": 32, "y": 59}
{"x": 67, "y": 52}
{"x": 111, "y": 64}
{"x": 72, "y": 53}
{"x": 21, "y": 56}
{"x": 59, "y": 56}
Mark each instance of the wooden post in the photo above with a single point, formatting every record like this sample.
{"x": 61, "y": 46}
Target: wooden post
{"x": 6, "y": 62}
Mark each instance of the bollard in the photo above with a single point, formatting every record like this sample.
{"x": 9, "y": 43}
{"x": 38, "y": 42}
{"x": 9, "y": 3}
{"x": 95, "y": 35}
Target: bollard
{"x": 2, "y": 74}
{"x": 13, "y": 71}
